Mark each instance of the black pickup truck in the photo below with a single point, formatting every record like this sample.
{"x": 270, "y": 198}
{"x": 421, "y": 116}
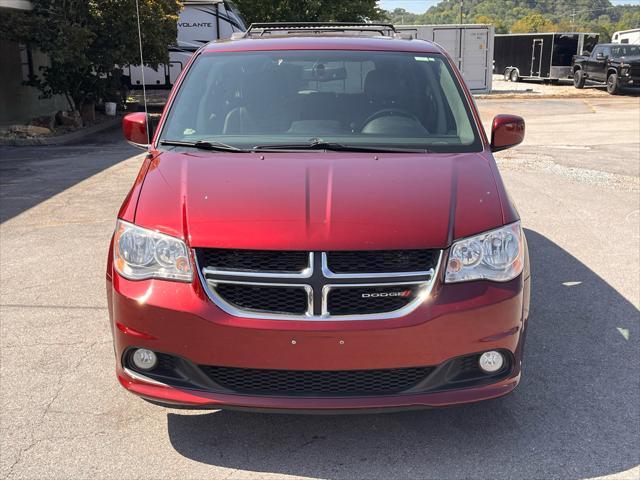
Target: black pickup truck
{"x": 617, "y": 65}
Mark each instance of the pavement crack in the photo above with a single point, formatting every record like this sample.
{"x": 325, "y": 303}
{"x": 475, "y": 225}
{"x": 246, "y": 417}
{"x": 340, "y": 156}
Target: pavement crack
{"x": 47, "y": 409}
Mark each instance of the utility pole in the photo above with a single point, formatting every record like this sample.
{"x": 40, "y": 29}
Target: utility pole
{"x": 573, "y": 20}
{"x": 461, "y": 10}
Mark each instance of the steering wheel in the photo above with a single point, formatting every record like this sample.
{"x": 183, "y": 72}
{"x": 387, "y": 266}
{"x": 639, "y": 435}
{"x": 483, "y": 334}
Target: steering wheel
{"x": 388, "y": 112}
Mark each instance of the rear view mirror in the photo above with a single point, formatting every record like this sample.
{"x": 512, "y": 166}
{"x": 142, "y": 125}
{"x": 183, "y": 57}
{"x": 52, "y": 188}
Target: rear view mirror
{"x": 599, "y": 56}
{"x": 506, "y": 131}
{"x": 320, "y": 73}
{"x": 138, "y": 129}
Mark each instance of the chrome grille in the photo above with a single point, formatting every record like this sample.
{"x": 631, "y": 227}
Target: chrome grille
{"x": 255, "y": 260}
{"x": 382, "y": 261}
{"x": 293, "y": 285}
{"x": 265, "y": 298}
{"x": 369, "y": 299}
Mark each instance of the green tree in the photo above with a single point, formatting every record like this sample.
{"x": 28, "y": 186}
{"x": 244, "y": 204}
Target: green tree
{"x": 86, "y": 41}
{"x": 533, "y": 22}
{"x": 399, "y": 16}
{"x": 309, "y": 10}
{"x": 560, "y": 15}
{"x": 491, "y": 20}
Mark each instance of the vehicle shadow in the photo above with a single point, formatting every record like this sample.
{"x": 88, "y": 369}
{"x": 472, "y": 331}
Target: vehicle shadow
{"x": 31, "y": 175}
{"x": 574, "y": 415}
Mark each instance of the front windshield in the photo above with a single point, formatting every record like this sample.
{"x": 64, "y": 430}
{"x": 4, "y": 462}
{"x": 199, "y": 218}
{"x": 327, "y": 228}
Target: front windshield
{"x": 625, "y": 51}
{"x": 354, "y": 98}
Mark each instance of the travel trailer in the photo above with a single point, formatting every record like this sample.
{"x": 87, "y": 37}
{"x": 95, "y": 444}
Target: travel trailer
{"x": 626, "y": 36}
{"x": 200, "y": 22}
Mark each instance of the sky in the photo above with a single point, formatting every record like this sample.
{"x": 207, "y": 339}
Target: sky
{"x": 421, "y": 6}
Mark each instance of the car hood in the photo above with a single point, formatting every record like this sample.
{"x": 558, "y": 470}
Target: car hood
{"x": 320, "y": 200}
{"x": 632, "y": 59}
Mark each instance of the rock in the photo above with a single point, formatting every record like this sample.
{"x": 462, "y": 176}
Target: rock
{"x": 30, "y": 129}
{"x": 69, "y": 119}
{"x": 47, "y": 121}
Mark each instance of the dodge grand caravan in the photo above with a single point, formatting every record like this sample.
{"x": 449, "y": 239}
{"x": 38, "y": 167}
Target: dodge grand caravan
{"x": 319, "y": 225}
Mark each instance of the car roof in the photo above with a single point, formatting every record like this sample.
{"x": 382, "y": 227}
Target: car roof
{"x": 323, "y": 42}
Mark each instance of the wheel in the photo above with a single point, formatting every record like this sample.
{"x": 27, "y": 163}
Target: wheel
{"x": 514, "y": 75}
{"x": 612, "y": 84}
{"x": 578, "y": 79}
{"x": 507, "y": 74}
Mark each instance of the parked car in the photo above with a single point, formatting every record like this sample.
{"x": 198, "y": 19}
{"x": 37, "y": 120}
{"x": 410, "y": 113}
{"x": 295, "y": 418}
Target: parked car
{"x": 319, "y": 225}
{"x": 616, "y": 64}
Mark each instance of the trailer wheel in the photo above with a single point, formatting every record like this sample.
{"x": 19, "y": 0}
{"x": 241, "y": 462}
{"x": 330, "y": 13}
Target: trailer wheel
{"x": 507, "y": 74}
{"x": 514, "y": 76}
{"x": 578, "y": 79}
{"x": 612, "y": 84}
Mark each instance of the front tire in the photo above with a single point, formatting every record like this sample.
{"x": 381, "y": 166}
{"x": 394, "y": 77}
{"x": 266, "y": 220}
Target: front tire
{"x": 612, "y": 84}
{"x": 514, "y": 75}
{"x": 578, "y": 79}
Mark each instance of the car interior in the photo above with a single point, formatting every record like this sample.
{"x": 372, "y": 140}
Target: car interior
{"x": 323, "y": 94}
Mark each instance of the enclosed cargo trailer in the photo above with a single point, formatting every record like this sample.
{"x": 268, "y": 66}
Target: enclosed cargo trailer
{"x": 540, "y": 56}
{"x": 470, "y": 46}
{"x": 200, "y": 22}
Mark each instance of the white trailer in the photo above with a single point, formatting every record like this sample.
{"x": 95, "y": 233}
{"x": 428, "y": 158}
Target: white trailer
{"x": 200, "y": 22}
{"x": 626, "y": 36}
{"x": 470, "y": 46}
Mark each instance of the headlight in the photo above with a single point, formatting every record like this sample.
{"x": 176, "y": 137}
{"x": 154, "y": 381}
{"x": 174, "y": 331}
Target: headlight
{"x": 497, "y": 255}
{"x": 139, "y": 253}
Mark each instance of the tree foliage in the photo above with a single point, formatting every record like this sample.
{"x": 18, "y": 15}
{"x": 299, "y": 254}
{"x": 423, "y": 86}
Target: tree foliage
{"x": 309, "y": 10}
{"x": 86, "y": 41}
{"x": 530, "y": 15}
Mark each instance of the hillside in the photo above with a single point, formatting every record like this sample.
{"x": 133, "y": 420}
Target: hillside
{"x": 530, "y": 15}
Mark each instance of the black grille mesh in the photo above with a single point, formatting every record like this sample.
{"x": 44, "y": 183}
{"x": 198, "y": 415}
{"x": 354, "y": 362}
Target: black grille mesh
{"x": 317, "y": 382}
{"x": 290, "y": 300}
{"x": 381, "y": 261}
{"x": 350, "y": 300}
{"x": 256, "y": 260}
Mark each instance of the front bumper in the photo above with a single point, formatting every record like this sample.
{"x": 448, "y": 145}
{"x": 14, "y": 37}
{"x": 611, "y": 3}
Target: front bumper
{"x": 629, "y": 81}
{"x": 179, "y": 319}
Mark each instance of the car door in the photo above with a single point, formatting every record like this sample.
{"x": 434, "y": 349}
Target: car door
{"x": 536, "y": 57}
{"x": 597, "y": 64}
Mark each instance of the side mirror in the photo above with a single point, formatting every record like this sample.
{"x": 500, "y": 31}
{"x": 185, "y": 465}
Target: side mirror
{"x": 506, "y": 131}
{"x": 600, "y": 56}
{"x": 137, "y": 129}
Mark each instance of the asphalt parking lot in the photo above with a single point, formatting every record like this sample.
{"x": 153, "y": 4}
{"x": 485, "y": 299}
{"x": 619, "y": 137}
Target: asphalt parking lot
{"x": 576, "y": 413}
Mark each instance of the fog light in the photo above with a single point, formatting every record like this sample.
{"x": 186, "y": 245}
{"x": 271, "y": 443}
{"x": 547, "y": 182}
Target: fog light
{"x": 491, "y": 361}
{"x": 144, "y": 359}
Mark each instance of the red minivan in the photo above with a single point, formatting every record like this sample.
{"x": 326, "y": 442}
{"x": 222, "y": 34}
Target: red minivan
{"x": 319, "y": 225}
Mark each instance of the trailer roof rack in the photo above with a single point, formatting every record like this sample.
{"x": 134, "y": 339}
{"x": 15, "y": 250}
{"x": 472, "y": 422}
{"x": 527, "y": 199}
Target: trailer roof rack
{"x": 293, "y": 28}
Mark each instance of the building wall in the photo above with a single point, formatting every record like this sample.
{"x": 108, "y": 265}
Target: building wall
{"x": 20, "y": 103}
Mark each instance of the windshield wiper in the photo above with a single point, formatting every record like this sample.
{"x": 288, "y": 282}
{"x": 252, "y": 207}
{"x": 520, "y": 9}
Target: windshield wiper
{"x": 202, "y": 145}
{"x": 336, "y": 147}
